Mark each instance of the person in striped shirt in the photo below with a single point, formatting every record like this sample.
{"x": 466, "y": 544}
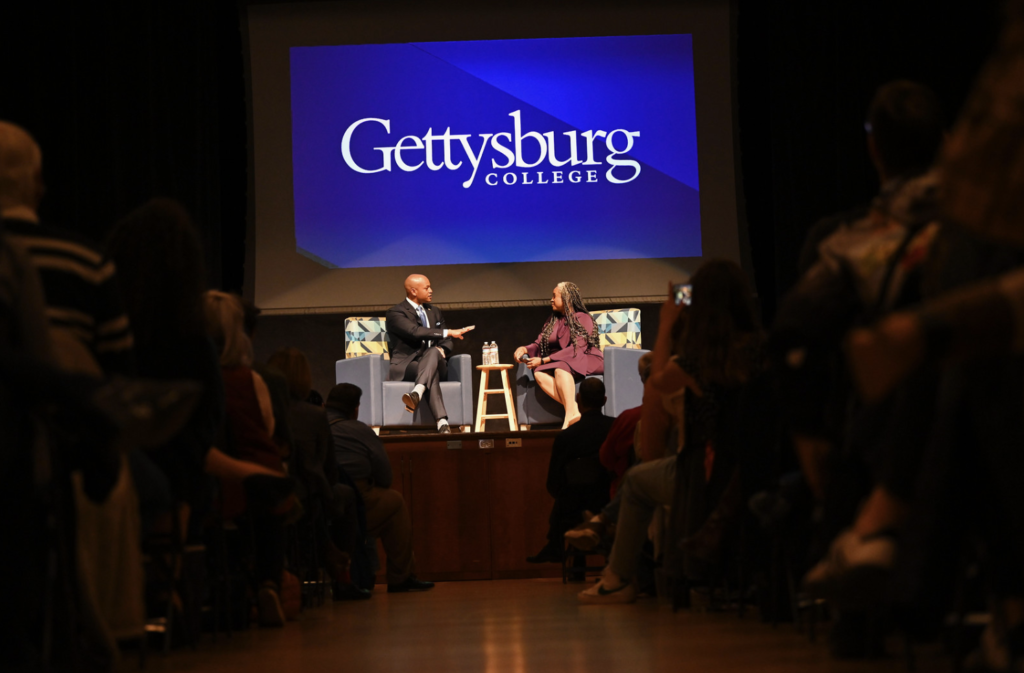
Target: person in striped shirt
{"x": 88, "y": 325}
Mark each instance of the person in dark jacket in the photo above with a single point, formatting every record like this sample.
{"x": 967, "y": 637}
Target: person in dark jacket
{"x": 313, "y": 464}
{"x": 576, "y": 479}
{"x": 360, "y": 453}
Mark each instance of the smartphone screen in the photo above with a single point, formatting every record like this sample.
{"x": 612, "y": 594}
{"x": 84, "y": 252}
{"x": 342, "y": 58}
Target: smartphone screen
{"x": 683, "y": 293}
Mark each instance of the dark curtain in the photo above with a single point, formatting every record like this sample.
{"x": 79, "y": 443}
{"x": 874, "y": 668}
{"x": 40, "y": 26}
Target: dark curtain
{"x": 131, "y": 100}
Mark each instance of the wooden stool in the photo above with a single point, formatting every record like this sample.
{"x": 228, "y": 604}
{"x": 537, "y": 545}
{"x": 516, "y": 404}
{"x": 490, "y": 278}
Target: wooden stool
{"x": 481, "y": 405}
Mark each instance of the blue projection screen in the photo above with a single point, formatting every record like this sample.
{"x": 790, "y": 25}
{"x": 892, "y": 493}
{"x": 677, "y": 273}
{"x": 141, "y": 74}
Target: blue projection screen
{"x": 498, "y": 151}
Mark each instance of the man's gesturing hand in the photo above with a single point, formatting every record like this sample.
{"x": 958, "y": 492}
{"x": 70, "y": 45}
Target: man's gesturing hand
{"x": 457, "y": 333}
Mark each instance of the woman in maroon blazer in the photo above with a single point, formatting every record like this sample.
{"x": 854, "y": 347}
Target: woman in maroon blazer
{"x": 566, "y": 350}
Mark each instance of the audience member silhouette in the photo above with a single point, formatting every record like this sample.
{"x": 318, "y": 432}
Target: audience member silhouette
{"x": 576, "y": 479}
{"x": 360, "y": 453}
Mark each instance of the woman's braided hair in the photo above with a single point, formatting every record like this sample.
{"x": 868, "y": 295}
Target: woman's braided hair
{"x": 572, "y": 302}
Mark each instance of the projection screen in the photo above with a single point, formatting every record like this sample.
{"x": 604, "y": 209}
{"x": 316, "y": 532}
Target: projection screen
{"x": 498, "y": 152}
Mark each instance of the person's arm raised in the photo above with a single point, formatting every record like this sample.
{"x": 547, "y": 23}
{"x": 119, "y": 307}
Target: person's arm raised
{"x": 666, "y": 376}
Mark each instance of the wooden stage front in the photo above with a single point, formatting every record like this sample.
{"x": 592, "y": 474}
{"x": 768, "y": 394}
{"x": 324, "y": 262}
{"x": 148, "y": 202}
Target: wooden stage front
{"x": 478, "y": 502}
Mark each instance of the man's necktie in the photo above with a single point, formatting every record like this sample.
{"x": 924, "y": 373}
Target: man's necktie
{"x": 423, "y": 320}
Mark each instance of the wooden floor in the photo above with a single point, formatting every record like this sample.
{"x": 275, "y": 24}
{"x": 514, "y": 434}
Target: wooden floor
{"x": 516, "y": 626}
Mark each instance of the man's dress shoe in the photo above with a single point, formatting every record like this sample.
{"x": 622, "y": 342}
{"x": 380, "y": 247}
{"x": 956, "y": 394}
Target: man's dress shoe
{"x": 410, "y": 584}
{"x": 445, "y": 429}
{"x": 411, "y": 401}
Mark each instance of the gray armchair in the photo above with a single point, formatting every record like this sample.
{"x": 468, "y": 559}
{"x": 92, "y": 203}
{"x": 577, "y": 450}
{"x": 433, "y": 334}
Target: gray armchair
{"x": 621, "y": 382}
{"x": 366, "y": 365}
{"x": 619, "y": 334}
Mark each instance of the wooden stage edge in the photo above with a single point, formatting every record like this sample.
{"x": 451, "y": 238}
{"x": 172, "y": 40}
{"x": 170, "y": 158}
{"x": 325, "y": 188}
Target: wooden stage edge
{"x": 478, "y": 501}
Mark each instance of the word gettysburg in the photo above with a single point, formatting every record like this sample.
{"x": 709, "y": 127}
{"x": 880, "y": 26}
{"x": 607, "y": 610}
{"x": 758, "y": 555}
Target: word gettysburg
{"x": 407, "y": 149}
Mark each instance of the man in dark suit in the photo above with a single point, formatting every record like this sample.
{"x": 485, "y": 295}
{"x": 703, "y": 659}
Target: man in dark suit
{"x": 576, "y": 479}
{"x": 420, "y": 347}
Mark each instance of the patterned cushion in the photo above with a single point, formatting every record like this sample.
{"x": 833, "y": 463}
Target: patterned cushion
{"x": 618, "y": 327}
{"x": 366, "y": 336}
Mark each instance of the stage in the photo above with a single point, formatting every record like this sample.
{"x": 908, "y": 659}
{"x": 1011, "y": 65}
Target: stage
{"x": 478, "y": 501}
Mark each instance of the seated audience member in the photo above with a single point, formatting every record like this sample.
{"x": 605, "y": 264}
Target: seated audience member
{"x": 250, "y": 427}
{"x": 576, "y": 479}
{"x": 361, "y": 454}
{"x": 617, "y": 451}
{"x": 566, "y": 350}
{"x": 314, "y": 465}
{"x": 162, "y": 281}
{"x": 87, "y": 325}
{"x": 161, "y": 278}
{"x": 25, "y": 345}
{"x": 36, "y": 397}
{"x": 89, "y": 328}
{"x": 617, "y": 455}
{"x": 718, "y": 351}
{"x": 274, "y": 379}
{"x": 91, "y": 336}
{"x": 962, "y": 469}
{"x": 865, "y": 267}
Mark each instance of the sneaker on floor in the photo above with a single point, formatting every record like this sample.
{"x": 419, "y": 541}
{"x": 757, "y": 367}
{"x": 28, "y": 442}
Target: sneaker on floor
{"x": 607, "y": 592}
{"x": 855, "y": 570}
{"x": 270, "y": 611}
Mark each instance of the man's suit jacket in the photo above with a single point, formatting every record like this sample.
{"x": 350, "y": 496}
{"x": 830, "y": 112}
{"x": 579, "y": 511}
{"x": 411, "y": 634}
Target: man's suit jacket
{"x": 409, "y": 337}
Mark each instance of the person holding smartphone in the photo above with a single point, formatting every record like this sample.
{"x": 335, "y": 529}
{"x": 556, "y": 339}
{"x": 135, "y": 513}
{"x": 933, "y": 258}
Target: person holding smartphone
{"x": 565, "y": 351}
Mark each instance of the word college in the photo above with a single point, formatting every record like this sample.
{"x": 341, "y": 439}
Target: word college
{"x": 512, "y": 150}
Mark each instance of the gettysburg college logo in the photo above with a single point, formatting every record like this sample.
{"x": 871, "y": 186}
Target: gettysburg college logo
{"x": 591, "y": 140}
{"x": 502, "y": 153}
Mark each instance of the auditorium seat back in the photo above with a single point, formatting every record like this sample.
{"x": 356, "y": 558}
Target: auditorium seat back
{"x": 366, "y": 364}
